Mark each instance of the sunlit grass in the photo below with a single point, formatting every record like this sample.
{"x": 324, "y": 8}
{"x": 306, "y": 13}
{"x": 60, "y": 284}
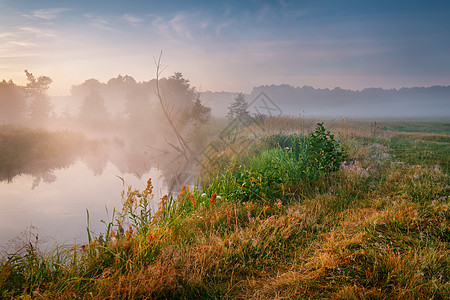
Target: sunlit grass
{"x": 376, "y": 227}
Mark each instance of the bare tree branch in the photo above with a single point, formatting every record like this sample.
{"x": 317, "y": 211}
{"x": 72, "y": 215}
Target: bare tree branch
{"x": 169, "y": 114}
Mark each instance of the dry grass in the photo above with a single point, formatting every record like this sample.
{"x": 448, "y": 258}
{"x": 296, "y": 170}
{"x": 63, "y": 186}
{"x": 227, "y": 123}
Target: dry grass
{"x": 376, "y": 229}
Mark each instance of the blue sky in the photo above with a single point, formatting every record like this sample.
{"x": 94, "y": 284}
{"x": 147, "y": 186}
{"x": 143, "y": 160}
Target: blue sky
{"x": 229, "y": 45}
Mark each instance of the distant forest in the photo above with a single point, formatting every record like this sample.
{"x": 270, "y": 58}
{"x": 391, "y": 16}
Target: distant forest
{"x": 93, "y": 102}
{"x": 416, "y": 102}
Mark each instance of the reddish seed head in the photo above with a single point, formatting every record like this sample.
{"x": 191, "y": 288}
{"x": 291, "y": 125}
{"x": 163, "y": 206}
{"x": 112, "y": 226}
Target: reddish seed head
{"x": 213, "y": 198}
{"x": 193, "y": 200}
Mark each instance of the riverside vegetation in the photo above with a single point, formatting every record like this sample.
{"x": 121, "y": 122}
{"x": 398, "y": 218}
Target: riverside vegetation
{"x": 361, "y": 213}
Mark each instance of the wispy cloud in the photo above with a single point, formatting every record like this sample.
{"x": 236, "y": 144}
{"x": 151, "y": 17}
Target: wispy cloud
{"x": 49, "y": 13}
{"x": 39, "y": 32}
{"x": 17, "y": 49}
{"x": 5, "y": 34}
{"x": 132, "y": 20}
{"x": 180, "y": 25}
{"x": 100, "y": 22}
{"x": 176, "y": 28}
{"x": 22, "y": 43}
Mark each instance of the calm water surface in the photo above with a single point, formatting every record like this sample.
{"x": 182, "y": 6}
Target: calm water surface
{"x": 55, "y": 209}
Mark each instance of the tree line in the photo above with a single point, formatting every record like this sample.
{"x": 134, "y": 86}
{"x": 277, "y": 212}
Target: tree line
{"x": 17, "y": 102}
{"x": 31, "y": 103}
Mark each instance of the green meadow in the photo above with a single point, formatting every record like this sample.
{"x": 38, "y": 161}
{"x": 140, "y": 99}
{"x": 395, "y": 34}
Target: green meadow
{"x": 287, "y": 208}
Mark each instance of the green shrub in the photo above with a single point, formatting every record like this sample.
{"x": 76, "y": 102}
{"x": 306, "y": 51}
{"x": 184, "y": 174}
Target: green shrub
{"x": 323, "y": 153}
{"x": 286, "y": 162}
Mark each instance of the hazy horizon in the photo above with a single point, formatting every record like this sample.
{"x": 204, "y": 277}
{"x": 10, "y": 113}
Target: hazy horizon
{"x": 229, "y": 46}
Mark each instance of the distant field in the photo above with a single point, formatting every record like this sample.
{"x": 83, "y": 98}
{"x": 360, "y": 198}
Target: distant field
{"x": 422, "y": 127}
{"x": 424, "y": 143}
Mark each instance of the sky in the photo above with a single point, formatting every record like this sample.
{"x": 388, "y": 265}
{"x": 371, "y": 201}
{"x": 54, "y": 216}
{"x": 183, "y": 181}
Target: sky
{"x": 229, "y": 45}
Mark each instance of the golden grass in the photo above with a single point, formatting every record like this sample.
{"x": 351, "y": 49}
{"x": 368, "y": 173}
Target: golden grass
{"x": 376, "y": 229}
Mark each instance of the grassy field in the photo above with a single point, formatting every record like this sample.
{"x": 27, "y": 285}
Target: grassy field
{"x": 286, "y": 209}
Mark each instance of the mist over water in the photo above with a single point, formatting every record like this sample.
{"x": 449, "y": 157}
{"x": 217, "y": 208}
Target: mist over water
{"x": 56, "y": 209}
{"x": 63, "y": 155}
{"x": 58, "y": 160}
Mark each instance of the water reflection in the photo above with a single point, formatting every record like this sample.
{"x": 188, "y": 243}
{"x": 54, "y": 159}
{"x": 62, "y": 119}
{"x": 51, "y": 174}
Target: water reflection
{"x": 53, "y": 193}
{"x": 50, "y": 184}
{"x": 57, "y": 207}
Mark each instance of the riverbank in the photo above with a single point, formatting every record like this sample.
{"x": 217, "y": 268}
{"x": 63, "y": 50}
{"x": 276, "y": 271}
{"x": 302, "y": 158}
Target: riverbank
{"x": 358, "y": 212}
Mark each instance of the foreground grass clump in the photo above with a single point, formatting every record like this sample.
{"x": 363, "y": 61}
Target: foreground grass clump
{"x": 374, "y": 226}
{"x": 279, "y": 167}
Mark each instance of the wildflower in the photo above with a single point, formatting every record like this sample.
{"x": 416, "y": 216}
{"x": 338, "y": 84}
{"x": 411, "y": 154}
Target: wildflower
{"x": 161, "y": 208}
{"x": 279, "y": 203}
{"x": 129, "y": 233}
{"x": 149, "y": 188}
{"x": 192, "y": 200}
{"x": 183, "y": 190}
{"x": 213, "y": 198}
{"x": 204, "y": 195}
{"x": 131, "y": 200}
{"x": 163, "y": 202}
{"x": 152, "y": 237}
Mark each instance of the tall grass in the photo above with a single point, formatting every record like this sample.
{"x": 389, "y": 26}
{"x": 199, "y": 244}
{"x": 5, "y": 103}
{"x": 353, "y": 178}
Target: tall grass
{"x": 372, "y": 226}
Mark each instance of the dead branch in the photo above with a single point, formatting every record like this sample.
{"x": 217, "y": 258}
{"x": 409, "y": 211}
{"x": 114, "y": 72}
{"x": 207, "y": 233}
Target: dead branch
{"x": 168, "y": 113}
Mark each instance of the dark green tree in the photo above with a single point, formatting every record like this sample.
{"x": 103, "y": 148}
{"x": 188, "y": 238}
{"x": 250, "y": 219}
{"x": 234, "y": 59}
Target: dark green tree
{"x": 238, "y": 108}
{"x": 199, "y": 113}
{"x": 178, "y": 91}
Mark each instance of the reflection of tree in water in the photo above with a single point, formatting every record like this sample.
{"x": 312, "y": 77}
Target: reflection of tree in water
{"x": 36, "y": 152}
{"x": 183, "y": 114}
{"x": 96, "y": 162}
{"x": 175, "y": 169}
{"x": 47, "y": 177}
{"x": 40, "y": 153}
{"x": 184, "y": 176}
{"x": 139, "y": 129}
{"x": 96, "y": 155}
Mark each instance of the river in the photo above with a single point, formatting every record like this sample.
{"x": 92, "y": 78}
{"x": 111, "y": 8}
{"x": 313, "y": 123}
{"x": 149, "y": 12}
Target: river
{"x": 54, "y": 208}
